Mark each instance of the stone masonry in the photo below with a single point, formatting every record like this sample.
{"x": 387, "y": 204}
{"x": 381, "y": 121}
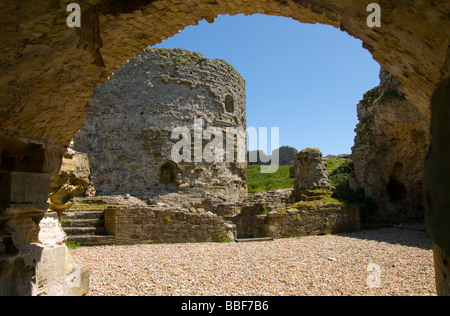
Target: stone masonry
{"x": 160, "y": 224}
{"x": 48, "y": 72}
{"x": 310, "y": 170}
{"x": 127, "y": 134}
{"x": 391, "y": 143}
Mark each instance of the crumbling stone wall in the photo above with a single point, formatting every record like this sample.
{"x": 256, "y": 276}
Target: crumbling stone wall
{"x": 74, "y": 178}
{"x": 390, "y": 148}
{"x": 253, "y": 206}
{"x": 33, "y": 257}
{"x": 127, "y": 134}
{"x": 310, "y": 170}
{"x": 308, "y": 209}
{"x": 279, "y": 214}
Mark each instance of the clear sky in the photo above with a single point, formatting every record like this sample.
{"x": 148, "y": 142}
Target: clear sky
{"x": 305, "y": 79}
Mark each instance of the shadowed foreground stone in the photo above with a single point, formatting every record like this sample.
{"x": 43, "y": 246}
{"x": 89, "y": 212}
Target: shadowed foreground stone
{"x": 437, "y": 182}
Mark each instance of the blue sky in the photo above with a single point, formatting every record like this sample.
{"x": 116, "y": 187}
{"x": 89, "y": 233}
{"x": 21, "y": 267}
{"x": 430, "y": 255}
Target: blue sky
{"x": 305, "y": 79}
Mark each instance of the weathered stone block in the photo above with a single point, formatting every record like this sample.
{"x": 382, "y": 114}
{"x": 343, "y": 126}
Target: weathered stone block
{"x": 73, "y": 179}
{"x": 57, "y": 274}
{"x": 50, "y": 272}
{"x": 24, "y": 189}
{"x": 310, "y": 170}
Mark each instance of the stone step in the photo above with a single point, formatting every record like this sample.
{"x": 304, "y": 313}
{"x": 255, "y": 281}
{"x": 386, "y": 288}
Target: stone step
{"x": 92, "y": 240}
{"x": 94, "y": 214}
{"x": 84, "y": 231}
{"x": 83, "y": 223}
{"x": 254, "y": 239}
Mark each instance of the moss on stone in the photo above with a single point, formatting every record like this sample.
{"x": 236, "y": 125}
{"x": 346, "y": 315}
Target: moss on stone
{"x": 325, "y": 201}
{"x": 312, "y": 194}
{"x": 83, "y": 204}
{"x": 310, "y": 150}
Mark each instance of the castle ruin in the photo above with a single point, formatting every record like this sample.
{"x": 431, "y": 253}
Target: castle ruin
{"x": 128, "y": 132}
{"x": 48, "y": 72}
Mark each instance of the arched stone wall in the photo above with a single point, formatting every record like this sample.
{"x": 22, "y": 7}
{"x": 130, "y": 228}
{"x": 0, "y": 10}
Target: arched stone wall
{"x": 48, "y": 71}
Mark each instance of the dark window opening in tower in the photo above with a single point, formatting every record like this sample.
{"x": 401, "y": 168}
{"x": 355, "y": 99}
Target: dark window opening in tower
{"x": 168, "y": 173}
{"x": 229, "y": 104}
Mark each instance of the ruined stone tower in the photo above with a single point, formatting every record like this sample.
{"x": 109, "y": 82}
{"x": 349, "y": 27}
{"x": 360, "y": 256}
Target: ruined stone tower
{"x": 128, "y": 132}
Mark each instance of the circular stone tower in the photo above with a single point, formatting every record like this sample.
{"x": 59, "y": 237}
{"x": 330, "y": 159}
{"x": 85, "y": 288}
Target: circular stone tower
{"x": 128, "y": 134}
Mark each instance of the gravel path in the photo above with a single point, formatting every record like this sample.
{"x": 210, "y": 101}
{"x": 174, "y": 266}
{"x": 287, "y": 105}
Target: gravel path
{"x": 393, "y": 261}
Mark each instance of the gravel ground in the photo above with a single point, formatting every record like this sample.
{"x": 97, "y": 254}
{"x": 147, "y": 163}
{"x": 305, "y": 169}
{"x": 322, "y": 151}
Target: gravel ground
{"x": 392, "y": 261}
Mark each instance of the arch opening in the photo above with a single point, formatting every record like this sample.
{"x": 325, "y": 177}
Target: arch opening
{"x": 396, "y": 188}
{"x": 229, "y": 104}
{"x": 168, "y": 173}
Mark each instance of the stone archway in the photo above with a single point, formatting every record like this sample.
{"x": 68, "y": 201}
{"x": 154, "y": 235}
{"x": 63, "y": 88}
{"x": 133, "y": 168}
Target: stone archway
{"x": 168, "y": 173}
{"x": 48, "y": 71}
{"x": 395, "y": 187}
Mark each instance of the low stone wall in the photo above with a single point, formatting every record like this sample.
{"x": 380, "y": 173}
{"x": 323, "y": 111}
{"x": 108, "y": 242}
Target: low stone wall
{"x": 260, "y": 203}
{"x": 154, "y": 225}
{"x": 314, "y": 220}
{"x": 181, "y": 219}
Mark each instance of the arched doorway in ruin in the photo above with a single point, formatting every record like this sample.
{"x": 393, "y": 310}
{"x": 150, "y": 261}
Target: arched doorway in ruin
{"x": 396, "y": 188}
{"x": 229, "y": 104}
{"x": 48, "y": 79}
{"x": 168, "y": 173}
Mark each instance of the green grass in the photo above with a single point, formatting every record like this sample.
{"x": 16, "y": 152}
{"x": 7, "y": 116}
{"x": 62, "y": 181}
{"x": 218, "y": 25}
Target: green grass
{"x": 84, "y": 204}
{"x": 263, "y": 182}
{"x": 338, "y": 169}
{"x": 72, "y": 245}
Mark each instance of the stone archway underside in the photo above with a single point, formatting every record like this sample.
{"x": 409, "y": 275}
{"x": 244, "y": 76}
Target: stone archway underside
{"x": 48, "y": 70}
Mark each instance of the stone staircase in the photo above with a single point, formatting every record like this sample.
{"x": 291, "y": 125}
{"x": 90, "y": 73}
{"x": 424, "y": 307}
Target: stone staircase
{"x": 86, "y": 227}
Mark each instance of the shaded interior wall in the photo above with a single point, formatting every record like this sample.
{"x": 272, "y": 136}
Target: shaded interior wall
{"x": 437, "y": 186}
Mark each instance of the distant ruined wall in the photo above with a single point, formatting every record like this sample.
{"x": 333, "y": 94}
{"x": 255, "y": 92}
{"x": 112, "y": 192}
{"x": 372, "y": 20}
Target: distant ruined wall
{"x": 127, "y": 134}
{"x": 390, "y": 149}
{"x": 285, "y": 154}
